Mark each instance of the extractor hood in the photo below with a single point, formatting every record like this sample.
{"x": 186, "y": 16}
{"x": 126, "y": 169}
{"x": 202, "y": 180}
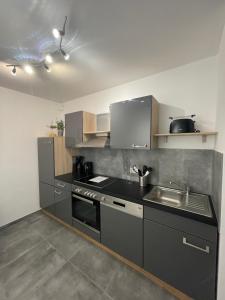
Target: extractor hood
{"x": 95, "y": 140}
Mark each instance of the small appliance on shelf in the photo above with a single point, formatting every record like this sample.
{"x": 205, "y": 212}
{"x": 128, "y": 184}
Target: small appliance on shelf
{"x": 184, "y": 124}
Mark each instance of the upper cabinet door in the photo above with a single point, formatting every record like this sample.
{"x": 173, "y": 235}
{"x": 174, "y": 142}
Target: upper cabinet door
{"x": 132, "y": 123}
{"x": 73, "y": 129}
{"x": 46, "y": 160}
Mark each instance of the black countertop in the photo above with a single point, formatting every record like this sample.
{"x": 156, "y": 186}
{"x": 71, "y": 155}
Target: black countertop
{"x": 131, "y": 191}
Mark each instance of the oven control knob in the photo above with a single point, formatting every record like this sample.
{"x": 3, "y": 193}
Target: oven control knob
{"x": 88, "y": 193}
{"x": 93, "y": 196}
{"x": 85, "y": 193}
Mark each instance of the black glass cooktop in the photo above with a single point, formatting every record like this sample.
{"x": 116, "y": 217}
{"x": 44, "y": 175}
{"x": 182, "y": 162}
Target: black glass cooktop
{"x": 88, "y": 181}
{"x": 128, "y": 190}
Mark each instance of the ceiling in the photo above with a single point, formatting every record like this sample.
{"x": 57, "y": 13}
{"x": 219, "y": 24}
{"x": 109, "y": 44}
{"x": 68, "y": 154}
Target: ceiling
{"x": 110, "y": 42}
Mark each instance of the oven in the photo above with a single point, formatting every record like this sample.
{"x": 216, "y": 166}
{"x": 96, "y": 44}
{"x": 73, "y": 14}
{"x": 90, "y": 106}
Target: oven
{"x": 85, "y": 207}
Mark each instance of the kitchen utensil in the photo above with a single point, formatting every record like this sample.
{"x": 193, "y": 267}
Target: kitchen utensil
{"x": 143, "y": 181}
{"x": 182, "y": 124}
{"x": 146, "y": 173}
{"x": 135, "y": 169}
{"x": 145, "y": 169}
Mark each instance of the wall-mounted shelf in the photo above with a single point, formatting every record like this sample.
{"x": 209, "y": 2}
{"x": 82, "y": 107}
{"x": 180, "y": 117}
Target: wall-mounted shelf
{"x": 97, "y": 132}
{"x": 203, "y": 134}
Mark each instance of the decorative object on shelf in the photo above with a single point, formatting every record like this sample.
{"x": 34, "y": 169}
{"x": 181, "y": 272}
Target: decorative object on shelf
{"x": 183, "y": 124}
{"x": 60, "y": 127}
{"x": 52, "y": 132}
{"x": 29, "y": 68}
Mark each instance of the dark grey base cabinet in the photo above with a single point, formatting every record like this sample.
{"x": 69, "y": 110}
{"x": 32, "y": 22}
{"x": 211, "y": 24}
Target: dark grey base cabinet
{"x": 122, "y": 233}
{"x": 63, "y": 205}
{"x": 185, "y": 261}
{"x": 47, "y": 197}
{"x": 56, "y": 201}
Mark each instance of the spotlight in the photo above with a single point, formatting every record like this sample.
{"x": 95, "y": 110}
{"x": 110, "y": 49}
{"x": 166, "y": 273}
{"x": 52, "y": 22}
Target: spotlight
{"x": 48, "y": 58}
{"x": 47, "y": 68}
{"x": 13, "y": 72}
{"x": 65, "y": 55}
{"x": 56, "y": 33}
{"x": 28, "y": 69}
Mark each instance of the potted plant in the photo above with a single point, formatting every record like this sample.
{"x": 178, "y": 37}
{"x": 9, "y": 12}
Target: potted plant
{"x": 60, "y": 127}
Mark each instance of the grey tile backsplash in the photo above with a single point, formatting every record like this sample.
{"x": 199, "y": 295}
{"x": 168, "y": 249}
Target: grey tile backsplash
{"x": 200, "y": 169}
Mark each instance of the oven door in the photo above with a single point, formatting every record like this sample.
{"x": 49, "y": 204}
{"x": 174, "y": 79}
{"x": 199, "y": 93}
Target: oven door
{"x": 86, "y": 211}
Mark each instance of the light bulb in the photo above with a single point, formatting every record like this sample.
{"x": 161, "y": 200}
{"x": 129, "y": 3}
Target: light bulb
{"x": 66, "y": 56}
{"x": 47, "y": 68}
{"x": 56, "y": 33}
{"x": 48, "y": 58}
{"x": 13, "y": 72}
{"x": 28, "y": 69}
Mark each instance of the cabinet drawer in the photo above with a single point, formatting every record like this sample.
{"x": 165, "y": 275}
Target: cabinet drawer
{"x": 185, "y": 261}
{"x": 63, "y": 205}
{"x": 205, "y": 231}
{"x": 63, "y": 185}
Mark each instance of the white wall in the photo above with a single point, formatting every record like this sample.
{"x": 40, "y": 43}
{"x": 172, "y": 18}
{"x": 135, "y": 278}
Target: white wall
{"x": 220, "y": 146}
{"x": 22, "y": 119}
{"x": 185, "y": 90}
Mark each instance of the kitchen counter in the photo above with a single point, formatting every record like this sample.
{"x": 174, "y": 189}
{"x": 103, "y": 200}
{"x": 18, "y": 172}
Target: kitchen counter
{"x": 131, "y": 191}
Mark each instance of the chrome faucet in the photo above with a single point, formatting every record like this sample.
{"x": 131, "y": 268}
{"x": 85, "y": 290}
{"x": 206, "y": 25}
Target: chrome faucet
{"x": 184, "y": 188}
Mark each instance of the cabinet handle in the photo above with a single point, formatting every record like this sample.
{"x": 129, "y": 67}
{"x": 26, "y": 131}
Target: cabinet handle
{"x": 139, "y": 146}
{"x": 61, "y": 185}
{"x": 58, "y": 193}
{"x": 206, "y": 250}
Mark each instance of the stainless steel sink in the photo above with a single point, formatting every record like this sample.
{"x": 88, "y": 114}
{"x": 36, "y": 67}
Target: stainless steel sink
{"x": 195, "y": 203}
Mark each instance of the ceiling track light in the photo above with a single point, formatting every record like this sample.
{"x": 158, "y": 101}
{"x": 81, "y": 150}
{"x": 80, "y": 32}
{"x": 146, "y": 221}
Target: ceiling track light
{"x": 13, "y": 72}
{"x": 59, "y": 33}
{"x": 47, "y": 68}
{"x": 65, "y": 55}
{"x": 49, "y": 59}
{"x": 28, "y": 69}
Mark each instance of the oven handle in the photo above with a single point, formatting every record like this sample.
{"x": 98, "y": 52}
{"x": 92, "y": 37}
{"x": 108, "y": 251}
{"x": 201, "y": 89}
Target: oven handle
{"x": 83, "y": 199}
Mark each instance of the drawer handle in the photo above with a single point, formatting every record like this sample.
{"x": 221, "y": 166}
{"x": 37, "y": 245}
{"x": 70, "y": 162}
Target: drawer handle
{"x": 118, "y": 203}
{"x": 60, "y": 185}
{"x": 206, "y": 250}
{"x": 58, "y": 193}
{"x": 139, "y": 146}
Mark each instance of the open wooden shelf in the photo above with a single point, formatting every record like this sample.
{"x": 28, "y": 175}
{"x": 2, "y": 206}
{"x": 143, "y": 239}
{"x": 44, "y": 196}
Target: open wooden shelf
{"x": 203, "y": 134}
{"x": 96, "y": 132}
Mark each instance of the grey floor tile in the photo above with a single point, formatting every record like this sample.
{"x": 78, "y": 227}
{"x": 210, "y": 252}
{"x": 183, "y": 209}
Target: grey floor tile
{"x": 66, "y": 242}
{"x": 130, "y": 285}
{"x": 45, "y": 226}
{"x": 30, "y": 270}
{"x": 67, "y": 284}
{"x": 10, "y": 252}
{"x": 97, "y": 264}
{"x": 13, "y": 233}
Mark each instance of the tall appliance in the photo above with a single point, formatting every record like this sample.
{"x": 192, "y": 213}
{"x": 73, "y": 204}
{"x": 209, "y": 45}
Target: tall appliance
{"x": 46, "y": 166}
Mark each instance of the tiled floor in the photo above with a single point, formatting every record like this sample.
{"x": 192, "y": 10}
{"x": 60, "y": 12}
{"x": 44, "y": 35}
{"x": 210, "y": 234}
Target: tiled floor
{"x": 42, "y": 260}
